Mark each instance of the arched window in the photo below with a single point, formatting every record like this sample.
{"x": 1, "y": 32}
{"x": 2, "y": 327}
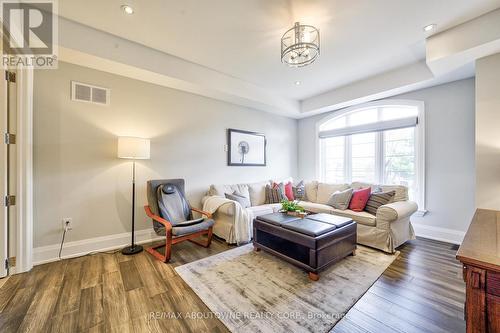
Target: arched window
{"x": 377, "y": 143}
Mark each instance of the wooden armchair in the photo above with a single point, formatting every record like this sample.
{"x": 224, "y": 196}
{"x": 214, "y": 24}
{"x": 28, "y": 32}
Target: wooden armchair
{"x": 166, "y": 198}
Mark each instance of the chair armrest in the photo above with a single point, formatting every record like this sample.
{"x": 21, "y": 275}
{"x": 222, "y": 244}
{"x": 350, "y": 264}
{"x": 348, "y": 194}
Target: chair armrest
{"x": 395, "y": 211}
{"x": 149, "y": 213}
{"x": 207, "y": 214}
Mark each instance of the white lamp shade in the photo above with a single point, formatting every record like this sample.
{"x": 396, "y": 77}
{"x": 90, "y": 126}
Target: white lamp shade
{"x": 133, "y": 148}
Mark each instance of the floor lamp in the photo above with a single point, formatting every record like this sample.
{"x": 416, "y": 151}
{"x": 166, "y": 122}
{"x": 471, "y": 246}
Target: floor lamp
{"x": 133, "y": 149}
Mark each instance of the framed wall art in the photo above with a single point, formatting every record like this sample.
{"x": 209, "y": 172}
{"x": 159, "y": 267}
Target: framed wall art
{"x": 245, "y": 148}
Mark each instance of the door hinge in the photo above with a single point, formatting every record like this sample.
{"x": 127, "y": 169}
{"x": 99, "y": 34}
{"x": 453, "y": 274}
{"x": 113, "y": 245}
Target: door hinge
{"x": 10, "y": 76}
{"x": 10, "y": 262}
{"x": 10, "y": 139}
{"x": 10, "y": 200}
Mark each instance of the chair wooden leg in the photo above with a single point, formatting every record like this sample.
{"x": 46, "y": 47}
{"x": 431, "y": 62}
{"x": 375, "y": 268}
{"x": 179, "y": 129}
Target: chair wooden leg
{"x": 209, "y": 235}
{"x": 209, "y": 239}
{"x": 168, "y": 249}
{"x": 168, "y": 246}
{"x": 169, "y": 241}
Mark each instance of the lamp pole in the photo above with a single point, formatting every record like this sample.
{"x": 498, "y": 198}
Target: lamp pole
{"x": 132, "y": 249}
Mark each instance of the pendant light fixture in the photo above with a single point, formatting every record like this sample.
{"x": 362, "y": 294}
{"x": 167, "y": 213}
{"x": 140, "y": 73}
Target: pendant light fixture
{"x": 300, "y": 45}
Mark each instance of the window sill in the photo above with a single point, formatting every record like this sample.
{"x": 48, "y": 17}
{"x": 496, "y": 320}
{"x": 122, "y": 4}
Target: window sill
{"x": 420, "y": 213}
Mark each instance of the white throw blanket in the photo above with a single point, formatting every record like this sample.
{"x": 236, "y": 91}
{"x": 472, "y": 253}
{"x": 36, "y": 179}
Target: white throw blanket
{"x": 243, "y": 219}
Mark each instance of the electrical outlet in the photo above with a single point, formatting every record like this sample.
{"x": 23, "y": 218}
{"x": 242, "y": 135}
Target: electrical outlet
{"x": 226, "y": 148}
{"x": 67, "y": 223}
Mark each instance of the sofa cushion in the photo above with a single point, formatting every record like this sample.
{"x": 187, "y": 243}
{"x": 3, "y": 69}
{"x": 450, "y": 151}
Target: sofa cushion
{"x": 360, "y": 185}
{"x": 299, "y": 191}
{"x": 242, "y": 200}
{"x": 325, "y": 191}
{"x": 401, "y": 192}
{"x": 276, "y": 207}
{"x": 221, "y": 190}
{"x": 289, "y": 191}
{"x": 359, "y": 199}
{"x": 261, "y": 210}
{"x": 315, "y": 207}
{"x": 257, "y": 193}
{"x": 340, "y": 199}
{"x": 281, "y": 190}
{"x": 378, "y": 199}
{"x": 363, "y": 217}
{"x": 275, "y": 193}
{"x": 311, "y": 191}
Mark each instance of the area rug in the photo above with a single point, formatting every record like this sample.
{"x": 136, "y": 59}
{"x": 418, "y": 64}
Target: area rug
{"x": 257, "y": 292}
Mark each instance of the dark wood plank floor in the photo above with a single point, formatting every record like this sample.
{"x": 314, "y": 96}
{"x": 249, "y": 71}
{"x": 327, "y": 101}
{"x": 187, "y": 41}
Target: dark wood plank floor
{"x": 422, "y": 291}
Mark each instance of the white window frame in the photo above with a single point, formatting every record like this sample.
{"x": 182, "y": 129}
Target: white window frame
{"x": 419, "y": 143}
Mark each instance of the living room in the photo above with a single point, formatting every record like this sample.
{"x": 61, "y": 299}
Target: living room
{"x": 250, "y": 166}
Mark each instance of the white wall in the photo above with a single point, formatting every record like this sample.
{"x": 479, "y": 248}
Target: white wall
{"x": 488, "y": 132}
{"x": 77, "y": 173}
{"x": 450, "y": 170}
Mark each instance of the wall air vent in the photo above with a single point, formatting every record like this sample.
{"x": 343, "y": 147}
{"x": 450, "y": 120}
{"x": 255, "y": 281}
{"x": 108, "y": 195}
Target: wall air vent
{"x": 87, "y": 93}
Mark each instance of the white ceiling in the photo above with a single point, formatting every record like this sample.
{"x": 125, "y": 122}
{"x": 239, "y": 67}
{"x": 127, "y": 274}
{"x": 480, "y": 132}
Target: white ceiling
{"x": 359, "y": 38}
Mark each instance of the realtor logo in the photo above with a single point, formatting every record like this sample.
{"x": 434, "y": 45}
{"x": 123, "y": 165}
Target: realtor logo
{"x": 29, "y": 32}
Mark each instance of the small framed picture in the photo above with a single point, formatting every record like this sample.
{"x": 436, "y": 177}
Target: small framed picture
{"x": 245, "y": 148}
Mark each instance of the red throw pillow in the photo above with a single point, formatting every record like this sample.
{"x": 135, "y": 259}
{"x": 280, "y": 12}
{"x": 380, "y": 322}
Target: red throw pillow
{"x": 289, "y": 191}
{"x": 359, "y": 199}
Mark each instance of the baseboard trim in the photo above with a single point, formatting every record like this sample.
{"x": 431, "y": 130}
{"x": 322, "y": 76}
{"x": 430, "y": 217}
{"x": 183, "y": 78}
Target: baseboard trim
{"x": 439, "y": 234}
{"x": 50, "y": 253}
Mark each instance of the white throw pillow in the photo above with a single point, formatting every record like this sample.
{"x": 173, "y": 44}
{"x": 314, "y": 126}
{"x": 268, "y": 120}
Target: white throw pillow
{"x": 257, "y": 193}
{"x": 311, "y": 191}
{"x": 221, "y": 190}
{"x": 325, "y": 191}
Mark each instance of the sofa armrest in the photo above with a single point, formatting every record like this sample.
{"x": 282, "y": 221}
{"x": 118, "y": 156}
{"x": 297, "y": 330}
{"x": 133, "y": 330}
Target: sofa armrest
{"x": 387, "y": 214}
{"x": 227, "y": 208}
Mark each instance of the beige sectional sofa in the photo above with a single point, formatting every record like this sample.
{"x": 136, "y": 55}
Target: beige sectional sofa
{"x": 386, "y": 230}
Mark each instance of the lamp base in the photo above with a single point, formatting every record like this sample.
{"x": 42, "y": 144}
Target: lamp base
{"x": 132, "y": 249}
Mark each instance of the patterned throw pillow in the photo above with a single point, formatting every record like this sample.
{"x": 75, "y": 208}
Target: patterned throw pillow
{"x": 299, "y": 191}
{"x": 340, "y": 199}
{"x": 379, "y": 199}
{"x": 275, "y": 193}
{"x": 235, "y": 196}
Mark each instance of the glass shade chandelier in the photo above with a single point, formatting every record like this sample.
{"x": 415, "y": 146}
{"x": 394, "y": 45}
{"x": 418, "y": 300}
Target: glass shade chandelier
{"x": 300, "y": 45}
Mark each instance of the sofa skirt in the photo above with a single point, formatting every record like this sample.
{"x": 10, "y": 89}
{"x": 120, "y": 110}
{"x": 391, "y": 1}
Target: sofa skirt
{"x": 386, "y": 240}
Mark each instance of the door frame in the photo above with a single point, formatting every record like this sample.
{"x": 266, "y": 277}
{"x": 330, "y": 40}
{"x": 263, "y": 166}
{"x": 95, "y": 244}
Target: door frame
{"x": 4, "y": 231}
{"x": 23, "y": 227}
{"x": 24, "y": 143}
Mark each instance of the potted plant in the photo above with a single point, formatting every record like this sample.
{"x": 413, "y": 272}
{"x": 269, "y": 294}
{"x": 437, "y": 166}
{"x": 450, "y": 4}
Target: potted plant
{"x": 292, "y": 208}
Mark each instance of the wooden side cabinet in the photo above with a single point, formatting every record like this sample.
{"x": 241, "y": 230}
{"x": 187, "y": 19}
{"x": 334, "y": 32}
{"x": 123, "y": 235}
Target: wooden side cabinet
{"x": 480, "y": 255}
{"x": 482, "y": 306}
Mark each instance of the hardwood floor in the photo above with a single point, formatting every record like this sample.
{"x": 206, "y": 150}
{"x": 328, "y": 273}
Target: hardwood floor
{"x": 422, "y": 291}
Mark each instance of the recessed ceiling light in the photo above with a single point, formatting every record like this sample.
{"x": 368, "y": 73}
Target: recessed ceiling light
{"x": 430, "y": 27}
{"x": 297, "y": 83}
{"x": 127, "y": 9}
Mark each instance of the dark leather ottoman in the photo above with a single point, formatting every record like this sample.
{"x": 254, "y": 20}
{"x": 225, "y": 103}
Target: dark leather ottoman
{"x": 311, "y": 243}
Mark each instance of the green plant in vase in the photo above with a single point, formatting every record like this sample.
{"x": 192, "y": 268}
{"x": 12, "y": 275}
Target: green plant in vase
{"x": 292, "y": 208}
